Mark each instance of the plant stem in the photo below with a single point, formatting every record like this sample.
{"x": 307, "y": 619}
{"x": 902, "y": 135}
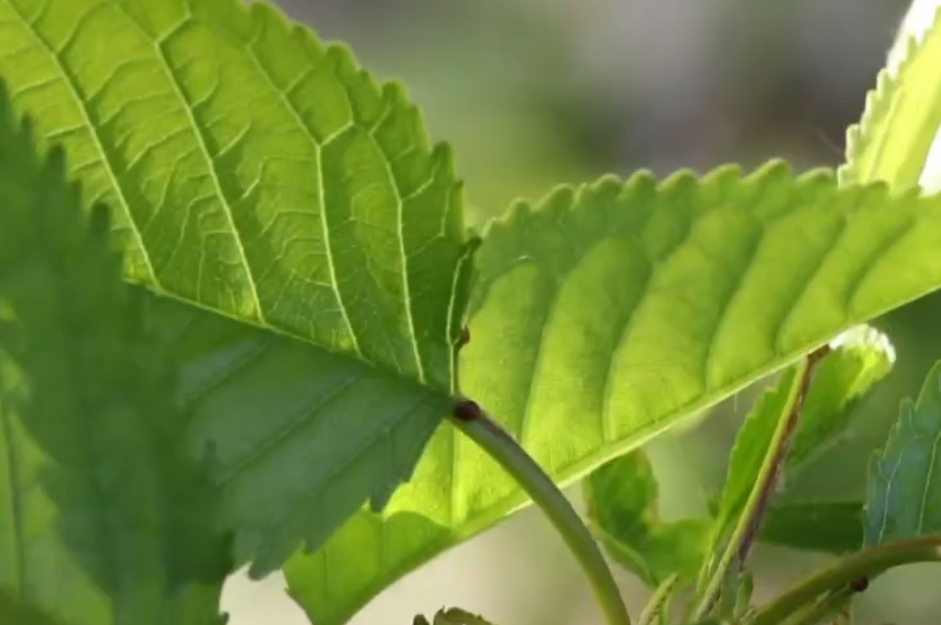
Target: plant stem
{"x": 746, "y": 529}
{"x": 499, "y": 445}
{"x": 868, "y": 564}
{"x": 829, "y": 607}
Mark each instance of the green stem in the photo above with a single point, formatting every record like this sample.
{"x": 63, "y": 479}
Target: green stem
{"x": 500, "y": 446}
{"x": 829, "y": 607}
{"x": 746, "y": 529}
{"x": 868, "y": 564}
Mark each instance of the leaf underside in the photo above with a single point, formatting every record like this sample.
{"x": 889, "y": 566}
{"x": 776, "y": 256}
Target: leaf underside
{"x": 904, "y": 492}
{"x": 609, "y": 312}
{"x": 103, "y": 521}
{"x": 306, "y": 243}
{"x": 900, "y": 124}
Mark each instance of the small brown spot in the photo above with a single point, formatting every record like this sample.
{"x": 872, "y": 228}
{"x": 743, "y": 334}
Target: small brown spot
{"x": 464, "y": 338}
{"x": 860, "y": 584}
{"x": 466, "y": 410}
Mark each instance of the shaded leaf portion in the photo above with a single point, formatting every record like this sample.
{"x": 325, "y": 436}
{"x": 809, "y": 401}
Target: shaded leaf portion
{"x": 272, "y": 191}
{"x": 622, "y": 502}
{"x": 103, "y": 521}
{"x": 299, "y": 436}
{"x": 895, "y": 137}
{"x": 829, "y": 527}
{"x": 904, "y": 492}
{"x": 609, "y": 312}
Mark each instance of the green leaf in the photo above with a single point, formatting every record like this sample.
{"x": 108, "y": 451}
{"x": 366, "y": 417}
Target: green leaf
{"x": 830, "y": 527}
{"x": 12, "y": 610}
{"x": 623, "y": 506}
{"x": 752, "y": 446}
{"x": 104, "y": 522}
{"x": 610, "y": 312}
{"x": 902, "y": 119}
{"x": 859, "y": 358}
{"x": 903, "y": 497}
{"x": 309, "y": 244}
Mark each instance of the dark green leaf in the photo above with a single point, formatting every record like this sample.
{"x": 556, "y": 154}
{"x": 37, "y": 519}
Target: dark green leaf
{"x": 904, "y": 492}
{"x": 104, "y": 520}
{"x": 831, "y": 527}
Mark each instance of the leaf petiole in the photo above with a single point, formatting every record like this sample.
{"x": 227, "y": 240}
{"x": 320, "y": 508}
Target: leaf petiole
{"x": 474, "y": 422}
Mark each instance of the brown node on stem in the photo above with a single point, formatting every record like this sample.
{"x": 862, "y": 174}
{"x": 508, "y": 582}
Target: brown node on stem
{"x": 466, "y": 410}
{"x": 859, "y": 584}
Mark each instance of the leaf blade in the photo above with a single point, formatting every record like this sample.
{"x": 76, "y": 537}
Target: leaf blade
{"x": 622, "y": 501}
{"x": 107, "y": 522}
{"x": 898, "y": 128}
{"x": 267, "y": 180}
{"x": 593, "y": 244}
{"x": 902, "y": 484}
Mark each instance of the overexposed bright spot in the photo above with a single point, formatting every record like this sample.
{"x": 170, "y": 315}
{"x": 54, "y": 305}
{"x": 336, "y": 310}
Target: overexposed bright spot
{"x": 917, "y": 21}
{"x": 865, "y": 335}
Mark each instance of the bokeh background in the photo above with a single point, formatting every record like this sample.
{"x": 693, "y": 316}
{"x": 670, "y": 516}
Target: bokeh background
{"x": 532, "y": 93}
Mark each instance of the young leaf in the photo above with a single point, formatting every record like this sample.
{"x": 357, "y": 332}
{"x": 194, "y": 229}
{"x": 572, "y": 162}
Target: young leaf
{"x": 613, "y": 310}
{"x": 831, "y": 527}
{"x": 859, "y": 358}
{"x": 622, "y": 504}
{"x": 903, "y": 498}
{"x": 902, "y": 118}
{"x": 103, "y": 520}
{"x": 310, "y": 245}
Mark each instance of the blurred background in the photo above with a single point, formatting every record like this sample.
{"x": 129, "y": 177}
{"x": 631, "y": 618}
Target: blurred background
{"x": 532, "y": 93}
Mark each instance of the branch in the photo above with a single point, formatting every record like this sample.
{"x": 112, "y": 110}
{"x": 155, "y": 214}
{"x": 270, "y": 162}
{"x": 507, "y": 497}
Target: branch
{"x": 746, "y": 530}
{"x": 468, "y": 417}
{"x": 854, "y": 571}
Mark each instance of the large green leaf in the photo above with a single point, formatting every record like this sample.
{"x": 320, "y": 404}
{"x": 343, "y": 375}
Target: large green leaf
{"x": 623, "y": 505}
{"x": 104, "y": 521}
{"x": 609, "y": 312}
{"x": 902, "y": 120}
{"x": 904, "y": 493}
{"x": 309, "y": 245}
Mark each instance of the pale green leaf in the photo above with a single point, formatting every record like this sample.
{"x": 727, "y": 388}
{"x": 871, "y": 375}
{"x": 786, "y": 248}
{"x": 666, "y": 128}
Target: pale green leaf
{"x": 104, "y": 521}
{"x": 904, "y": 492}
{"x": 902, "y": 119}
{"x": 308, "y": 241}
{"x": 610, "y": 312}
{"x": 623, "y": 506}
